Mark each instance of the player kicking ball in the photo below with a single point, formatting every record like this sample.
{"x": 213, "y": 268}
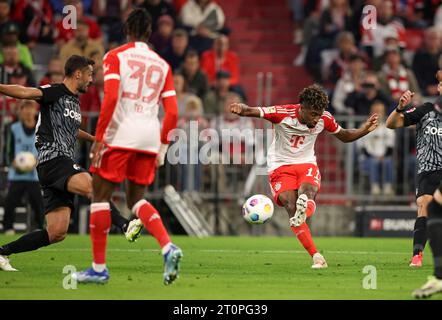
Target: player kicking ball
{"x": 60, "y": 177}
{"x": 130, "y": 143}
{"x": 293, "y": 172}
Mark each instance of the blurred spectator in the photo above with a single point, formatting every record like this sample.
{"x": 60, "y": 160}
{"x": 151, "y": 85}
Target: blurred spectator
{"x": 63, "y": 35}
{"x": 233, "y": 123}
{"x": 297, "y": 7}
{"x": 97, "y": 56}
{"x": 108, "y": 14}
{"x": 221, "y": 58}
{"x": 158, "y": 8}
{"x": 56, "y": 77}
{"x": 193, "y": 115}
{"x": 395, "y": 78}
{"x": 16, "y": 71}
{"x": 21, "y": 138}
{"x": 361, "y": 101}
{"x": 162, "y": 37}
{"x": 181, "y": 94}
{"x": 10, "y": 34}
{"x": 205, "y": 19}
{"x": 5, "y": 10}
{"x": 351, "y": 81}
{"x": 373, "y": 39}
{"x": 346, "y": 48}
{"x": 376, "y": 154}
{"x": 175, "y": 54}
{"x": 336, "y": 18}
{"x": 195, "y": 78}
{"x": 391, "y": 42}
{"x": 81, "y": 44}
{"x": 36, "y": 21}
{"x": 426, "y": 62}
{"x": 216, "y": 97}
{"x": 55, "y": 65}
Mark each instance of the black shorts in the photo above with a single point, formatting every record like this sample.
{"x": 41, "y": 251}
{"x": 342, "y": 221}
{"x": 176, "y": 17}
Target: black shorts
{"x": 428, "y": 182}
{"x": 53, "y": 176}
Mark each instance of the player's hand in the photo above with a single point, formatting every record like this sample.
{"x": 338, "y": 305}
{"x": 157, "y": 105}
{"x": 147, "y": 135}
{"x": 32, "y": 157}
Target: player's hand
{"x": 405, "y": 99}
{"x": 95, "y": 153}
{"x": 371, "y": 123}
{"x": 161, "y": 155}
{"x": 237, "y": 108}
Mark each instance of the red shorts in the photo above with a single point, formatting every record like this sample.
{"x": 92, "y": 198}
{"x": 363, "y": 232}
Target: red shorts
{"x": 116, "y": 165}
{"x": 290, "y": 177}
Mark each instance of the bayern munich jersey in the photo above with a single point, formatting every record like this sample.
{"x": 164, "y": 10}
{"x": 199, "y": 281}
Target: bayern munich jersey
{"x": 293, "y": 142}
{"x": 145, "y": 78}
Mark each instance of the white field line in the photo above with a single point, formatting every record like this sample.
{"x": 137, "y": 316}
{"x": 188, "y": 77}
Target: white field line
{"x": 237, "y": 251}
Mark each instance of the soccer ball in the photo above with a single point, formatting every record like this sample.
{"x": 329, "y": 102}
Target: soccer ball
{"x": 25, "y": 161}
{"x": 258, "y": 209}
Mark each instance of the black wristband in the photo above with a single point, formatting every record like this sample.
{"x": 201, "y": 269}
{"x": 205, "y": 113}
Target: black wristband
{"x": 399, "y": 110}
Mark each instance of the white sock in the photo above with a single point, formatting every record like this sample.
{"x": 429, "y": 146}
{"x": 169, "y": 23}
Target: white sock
{"x": 98, "y": 267}
{"x": 166, "y": 248}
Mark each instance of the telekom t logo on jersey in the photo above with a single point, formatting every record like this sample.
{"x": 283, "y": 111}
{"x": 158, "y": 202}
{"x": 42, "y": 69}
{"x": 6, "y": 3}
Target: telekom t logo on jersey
{"x": 297, "y": 141}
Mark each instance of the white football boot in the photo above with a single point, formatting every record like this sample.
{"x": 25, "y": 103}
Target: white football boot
{"x": 319, "y": 261}
{"x": 432, "y": 286}
{"x": 300, "y": 215}
{"x": 5, "y": 265}
{"x": 133, "y": 230}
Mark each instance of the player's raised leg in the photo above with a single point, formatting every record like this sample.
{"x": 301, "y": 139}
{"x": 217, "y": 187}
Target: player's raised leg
{"x": 151, "y": 219}
{"x": 420, "y": 230}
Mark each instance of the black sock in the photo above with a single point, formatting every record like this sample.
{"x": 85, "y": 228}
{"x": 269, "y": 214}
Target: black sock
{"x": 419, "y": 235}
{"x": 28, "y": 242}
{"x": 117, "y": 218}
{"x": 435, "y": 235}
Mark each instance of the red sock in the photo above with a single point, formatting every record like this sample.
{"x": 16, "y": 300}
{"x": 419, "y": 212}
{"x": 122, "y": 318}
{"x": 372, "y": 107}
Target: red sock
{"x": 304, "y": 236}
{"x": 152, "y": 221}
{"x": 311, "y": 208}
{"x": 99, "y": 223}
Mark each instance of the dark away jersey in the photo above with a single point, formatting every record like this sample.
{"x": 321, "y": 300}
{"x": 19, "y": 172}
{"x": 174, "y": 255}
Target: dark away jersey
{"x": 428, "y": 136}
{"x": 58, "y": 123}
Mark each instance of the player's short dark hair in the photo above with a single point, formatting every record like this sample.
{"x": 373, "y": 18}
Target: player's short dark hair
{"x": 314, "y": 97}
{"x": 138, "y": 24}
{"x": 76, "y": 62}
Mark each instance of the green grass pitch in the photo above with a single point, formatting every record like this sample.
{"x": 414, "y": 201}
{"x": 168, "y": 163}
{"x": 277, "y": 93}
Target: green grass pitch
{"x": 221, "y": 268}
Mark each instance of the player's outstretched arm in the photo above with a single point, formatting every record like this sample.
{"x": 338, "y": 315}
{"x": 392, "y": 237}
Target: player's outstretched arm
{"x": 350, "y": 135}
{"x": 396, "y": 118}
{"x": 83, "y": 135}
{"x": 244, "y": 110}
{"x": 20, "y": 92}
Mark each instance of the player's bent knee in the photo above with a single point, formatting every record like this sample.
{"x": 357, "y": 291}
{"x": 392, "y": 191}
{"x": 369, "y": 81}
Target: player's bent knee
{"x": 56, "y": 235}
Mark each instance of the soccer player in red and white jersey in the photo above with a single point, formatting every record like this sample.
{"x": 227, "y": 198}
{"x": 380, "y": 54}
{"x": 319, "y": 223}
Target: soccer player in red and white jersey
{"x": 130, "y": 143}
{"x": 293, "y": 172}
